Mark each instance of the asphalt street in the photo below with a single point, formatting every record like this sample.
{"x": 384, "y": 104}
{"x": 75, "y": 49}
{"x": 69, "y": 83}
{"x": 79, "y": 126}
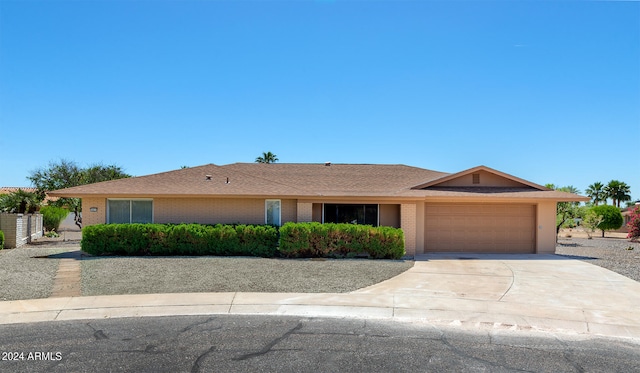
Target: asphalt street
{"x": 231, "y": 343}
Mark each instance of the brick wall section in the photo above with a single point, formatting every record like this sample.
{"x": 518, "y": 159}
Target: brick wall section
{"x": 92, "y": 218}
{"x": 305, "y": 212}
{"x": 408, "y": 225}
{"x": 220, "y": 210}
{"x": 289, "y": 210}
{"x": 8, "y": 225}
{"x": 197, "y": 210}
{"x": 20, "y": 229}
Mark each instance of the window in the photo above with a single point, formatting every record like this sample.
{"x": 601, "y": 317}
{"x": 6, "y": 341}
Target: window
{"x": 476, "y": 178}
{"x": 354, "y": 214}
{"x": 272, "y": 212}
{"x": 124, "y": 211}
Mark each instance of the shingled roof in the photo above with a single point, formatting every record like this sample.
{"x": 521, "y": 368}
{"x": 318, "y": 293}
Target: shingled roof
{"x": 292, "y": 180}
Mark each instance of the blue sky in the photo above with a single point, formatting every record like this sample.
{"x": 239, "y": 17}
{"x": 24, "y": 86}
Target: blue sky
{"x": 546, "y": 91}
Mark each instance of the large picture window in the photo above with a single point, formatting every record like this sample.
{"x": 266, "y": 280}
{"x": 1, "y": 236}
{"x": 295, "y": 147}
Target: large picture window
{"x": 272, "y": 212}
{"x": 351, "y": 213}
{"x": 124, "y": 211}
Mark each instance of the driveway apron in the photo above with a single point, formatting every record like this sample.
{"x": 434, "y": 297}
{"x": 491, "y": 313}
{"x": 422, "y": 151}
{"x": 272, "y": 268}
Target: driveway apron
{"x": 516, "y": 291}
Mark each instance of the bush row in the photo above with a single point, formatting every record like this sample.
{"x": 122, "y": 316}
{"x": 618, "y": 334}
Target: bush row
{"x": 181, "y": 239}
{"x": 340, "y": 240}
{"x": 1, "y": 240}
{"x": 296, "y": 240}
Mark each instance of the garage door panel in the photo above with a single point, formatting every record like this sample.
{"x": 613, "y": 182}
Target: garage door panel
{"x": 501, "y": 228}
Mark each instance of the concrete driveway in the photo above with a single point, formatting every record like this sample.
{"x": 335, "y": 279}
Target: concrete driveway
{"x": 504, "y": 292}
{"x": 546, "y": 292}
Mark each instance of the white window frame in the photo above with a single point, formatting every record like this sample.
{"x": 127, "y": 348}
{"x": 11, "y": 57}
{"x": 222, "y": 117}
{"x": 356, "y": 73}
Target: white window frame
{"x": 130, "y": 209}
{"x": 266, "y": 211}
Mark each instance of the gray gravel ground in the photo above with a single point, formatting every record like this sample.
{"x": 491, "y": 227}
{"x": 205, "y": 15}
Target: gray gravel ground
{"x": 610, "y": 253}
{"x": 24, "y": 277}
{"x": 119, "y": 275}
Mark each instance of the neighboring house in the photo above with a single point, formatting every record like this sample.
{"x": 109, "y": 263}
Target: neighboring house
{"x": 9, "y": 190}
{"x": 478, "y": 210}
{"x": 626, "y": 217}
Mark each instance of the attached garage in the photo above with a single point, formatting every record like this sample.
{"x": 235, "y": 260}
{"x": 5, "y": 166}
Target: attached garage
{"x": 486, "y": 228}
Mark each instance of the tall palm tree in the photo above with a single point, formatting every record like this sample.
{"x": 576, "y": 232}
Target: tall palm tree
{"x": 596, "y": 192}
{"x": 618, "y": 192}
{"x": 267, "y": 157}
{"x": 624, "y": 193}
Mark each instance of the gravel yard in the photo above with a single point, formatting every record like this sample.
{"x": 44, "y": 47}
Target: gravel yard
{"x": 24, "y": 277}
{"x": 119, "y": 275}
{"x": 610, "y": 253}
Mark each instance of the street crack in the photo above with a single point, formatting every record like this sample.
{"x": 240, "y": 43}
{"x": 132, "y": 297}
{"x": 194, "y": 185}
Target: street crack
{"x": 269, "y": 345}
{"x": 196, "y": 365}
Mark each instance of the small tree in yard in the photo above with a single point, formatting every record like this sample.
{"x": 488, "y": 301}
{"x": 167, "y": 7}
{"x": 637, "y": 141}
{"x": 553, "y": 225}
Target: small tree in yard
{"x": 611, "y": 217}
{"x": 590, "y": 221}
{"x": 565, "y": 211}
{"x": 634, "y": 224}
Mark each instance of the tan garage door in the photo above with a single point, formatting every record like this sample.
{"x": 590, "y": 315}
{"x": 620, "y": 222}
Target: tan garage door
{"x": 489, "y": 228}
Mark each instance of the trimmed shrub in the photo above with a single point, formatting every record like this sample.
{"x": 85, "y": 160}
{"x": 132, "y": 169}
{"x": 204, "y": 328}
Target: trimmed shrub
{"x": 180, "y": 239}
{"x": 1, "y": 240}
{"x": 340, "y": 240}
{"x": 52, "y": 216}
{"x": 611, "y": 217}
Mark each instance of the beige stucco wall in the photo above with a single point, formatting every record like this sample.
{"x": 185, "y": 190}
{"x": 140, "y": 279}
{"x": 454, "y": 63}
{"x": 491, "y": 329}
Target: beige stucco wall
{"x": 546, "y": 228}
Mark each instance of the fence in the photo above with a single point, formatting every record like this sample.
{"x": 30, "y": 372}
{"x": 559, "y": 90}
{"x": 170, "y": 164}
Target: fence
{"x": 20, "y": 229}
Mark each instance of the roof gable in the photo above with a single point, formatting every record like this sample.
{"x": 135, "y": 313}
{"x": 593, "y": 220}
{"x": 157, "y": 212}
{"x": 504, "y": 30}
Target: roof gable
{"x": 480, "y": 177}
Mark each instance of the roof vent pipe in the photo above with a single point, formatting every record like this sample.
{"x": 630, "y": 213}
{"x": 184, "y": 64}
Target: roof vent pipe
{"x": 327, "y": 163}
{"x": 227, "y": 181}
{"x": 207, "y": 177}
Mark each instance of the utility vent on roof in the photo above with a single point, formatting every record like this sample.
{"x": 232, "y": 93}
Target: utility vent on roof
{"x": 476, "y": 178}
{"x": 207, "y": 177}
{"x": 327, "y": 163}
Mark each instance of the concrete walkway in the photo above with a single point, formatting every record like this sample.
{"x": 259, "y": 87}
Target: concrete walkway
{"x": 513, "y": 292}
{"x": 67, "y": 280}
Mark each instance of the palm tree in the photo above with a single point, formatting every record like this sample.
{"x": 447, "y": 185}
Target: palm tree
{"x": 624, "y": 193}
{"x": 618, "y": 192}
{"x": 267, "y": 157}
{"x": 596, "y": 192}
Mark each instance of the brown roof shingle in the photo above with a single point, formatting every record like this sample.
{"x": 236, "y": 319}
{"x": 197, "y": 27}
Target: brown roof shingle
{"x": 294, "y": 180}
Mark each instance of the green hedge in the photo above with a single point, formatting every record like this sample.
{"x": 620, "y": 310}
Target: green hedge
{"x": 182, "y": 239}
{"x": 340, "y": 240}
{"x": 1, "y": 240}
{"x": 52, "y": 216}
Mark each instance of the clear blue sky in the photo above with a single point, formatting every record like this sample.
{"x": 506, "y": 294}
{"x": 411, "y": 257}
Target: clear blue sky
{"x": 547, "y": 91}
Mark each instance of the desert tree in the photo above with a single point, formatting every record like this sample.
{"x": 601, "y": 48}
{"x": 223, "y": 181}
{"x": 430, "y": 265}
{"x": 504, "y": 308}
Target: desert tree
{"x": 565, "y": 210}
{"x": 66, "y": 174}
{"x": 611, "y": 217}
